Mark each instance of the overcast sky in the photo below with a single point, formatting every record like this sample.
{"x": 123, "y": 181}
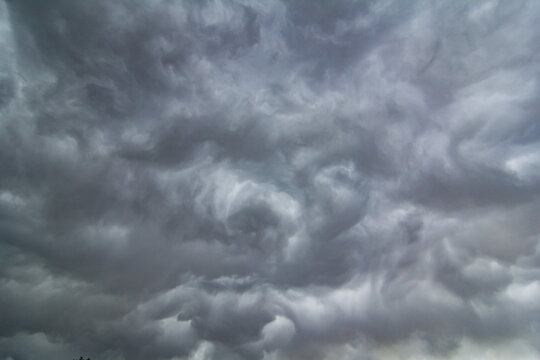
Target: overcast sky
{"x": 277, "y": 180}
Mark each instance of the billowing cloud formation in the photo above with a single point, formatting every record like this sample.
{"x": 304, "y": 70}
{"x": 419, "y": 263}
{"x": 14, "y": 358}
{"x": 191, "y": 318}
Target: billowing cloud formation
{"x": 269, "y": 179}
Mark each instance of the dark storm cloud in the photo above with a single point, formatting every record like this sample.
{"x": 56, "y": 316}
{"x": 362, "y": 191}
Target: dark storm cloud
{"x": 269, "y": 179}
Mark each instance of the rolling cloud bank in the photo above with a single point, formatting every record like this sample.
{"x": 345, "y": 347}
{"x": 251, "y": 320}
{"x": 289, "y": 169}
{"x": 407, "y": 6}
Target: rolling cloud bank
{"x": 277, "y": 180}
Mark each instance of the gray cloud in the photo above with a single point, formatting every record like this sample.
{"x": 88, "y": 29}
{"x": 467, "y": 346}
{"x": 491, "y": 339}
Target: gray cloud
{"x": 269, "y": 179}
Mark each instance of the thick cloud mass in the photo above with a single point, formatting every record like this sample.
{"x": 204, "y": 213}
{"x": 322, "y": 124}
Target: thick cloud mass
{"x": 269, "y": 179}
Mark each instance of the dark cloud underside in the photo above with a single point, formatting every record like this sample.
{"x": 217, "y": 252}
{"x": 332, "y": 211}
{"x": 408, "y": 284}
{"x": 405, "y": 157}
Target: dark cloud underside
{"x": 269, "y": 179}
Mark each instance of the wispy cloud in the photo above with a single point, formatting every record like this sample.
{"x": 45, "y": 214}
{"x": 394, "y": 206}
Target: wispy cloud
{"x": 269, "y": 179}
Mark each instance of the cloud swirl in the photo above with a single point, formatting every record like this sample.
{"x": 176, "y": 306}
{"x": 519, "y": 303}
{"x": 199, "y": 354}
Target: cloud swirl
{"x": 269, "y": 179}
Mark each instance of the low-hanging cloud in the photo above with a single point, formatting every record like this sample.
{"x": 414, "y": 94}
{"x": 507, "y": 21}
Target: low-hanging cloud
{"x": 269, "y": 179}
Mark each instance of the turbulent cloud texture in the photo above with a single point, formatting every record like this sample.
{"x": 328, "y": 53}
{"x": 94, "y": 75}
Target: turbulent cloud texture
{"x": 269, "y": 179}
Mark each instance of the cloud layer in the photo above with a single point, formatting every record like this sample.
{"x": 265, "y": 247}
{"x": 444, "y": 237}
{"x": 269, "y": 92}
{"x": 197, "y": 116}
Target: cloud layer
{"x": 269, "y": 179}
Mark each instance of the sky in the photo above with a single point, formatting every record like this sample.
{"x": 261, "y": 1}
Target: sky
{"x": 269, "y": 180}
